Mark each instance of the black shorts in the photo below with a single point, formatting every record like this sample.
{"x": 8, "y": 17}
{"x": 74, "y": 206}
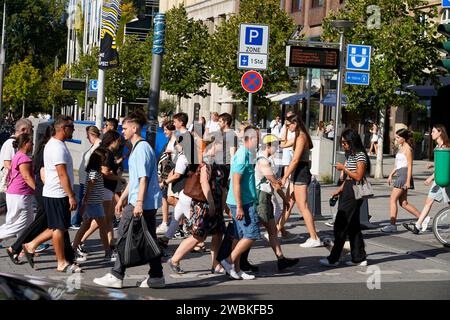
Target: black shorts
{"x": 301, "y": 174}
{"x": 58, "y": 213}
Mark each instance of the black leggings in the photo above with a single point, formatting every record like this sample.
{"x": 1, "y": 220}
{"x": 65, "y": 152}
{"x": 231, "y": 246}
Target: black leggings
{"x": 347, "y": 224}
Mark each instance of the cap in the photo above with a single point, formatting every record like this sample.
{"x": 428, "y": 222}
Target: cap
{"x": 269, "y": 138}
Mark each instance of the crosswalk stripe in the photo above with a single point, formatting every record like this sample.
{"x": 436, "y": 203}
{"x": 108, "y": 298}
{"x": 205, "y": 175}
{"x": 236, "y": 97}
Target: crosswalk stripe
{"x": 431, "y": 271}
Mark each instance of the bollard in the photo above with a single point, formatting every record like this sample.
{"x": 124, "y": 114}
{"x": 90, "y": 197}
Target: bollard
{"x": 314, "y": 201}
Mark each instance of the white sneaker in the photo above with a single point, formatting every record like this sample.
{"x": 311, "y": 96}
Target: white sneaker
{"x": 109, "y": 281}
{"x": 311, "y": 243}
{"x": 389, "y": 228}
{"x": 154, "y": 283}
{"x": 425, "y": 223}
{"x": 162, "y": 228}
{"x": 351, "y": 263}
{"x": 266, "y": 236}
{"x": 329, "y": 223}
{"x": 229, "y": 268}
{"x": 245, "y": 276}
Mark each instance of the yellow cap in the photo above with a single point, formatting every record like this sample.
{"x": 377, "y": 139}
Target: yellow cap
{"x": 269, "y": 138}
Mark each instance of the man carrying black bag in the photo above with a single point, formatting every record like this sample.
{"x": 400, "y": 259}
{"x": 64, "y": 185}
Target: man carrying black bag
{"x": 144, "y": 198}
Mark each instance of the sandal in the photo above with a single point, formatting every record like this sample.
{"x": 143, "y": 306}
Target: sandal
{"x": 199, "y": 248}
{"x": 29, "y": 256}
{"x": 218, "y": 270}
{"x": 71, "y": 268}
{"x": 14, "y": 258}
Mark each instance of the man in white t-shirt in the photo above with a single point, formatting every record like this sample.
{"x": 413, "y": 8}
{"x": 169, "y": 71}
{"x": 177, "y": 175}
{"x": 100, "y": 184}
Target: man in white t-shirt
{"x": 275, "y": 126}
{"x": 329, "y": 130}
{"x": 213, "y": 124}
{"x": 7, "y": 152}
{"x": 58, "y": 195}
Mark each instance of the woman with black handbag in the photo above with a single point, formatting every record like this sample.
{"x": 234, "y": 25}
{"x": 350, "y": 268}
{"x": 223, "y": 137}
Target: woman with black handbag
{"x": 347, "y": 218}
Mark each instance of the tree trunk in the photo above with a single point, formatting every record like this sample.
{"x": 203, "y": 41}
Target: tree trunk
{"x": 23, "y": 108}
{"x": 379, "y": 165}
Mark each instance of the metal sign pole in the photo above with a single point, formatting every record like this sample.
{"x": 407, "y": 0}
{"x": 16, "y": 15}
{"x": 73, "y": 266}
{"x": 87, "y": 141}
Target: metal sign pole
{"x": 338, "y": 102}
{"x": 100, "y": 99}
{"x": 249, "y": 110}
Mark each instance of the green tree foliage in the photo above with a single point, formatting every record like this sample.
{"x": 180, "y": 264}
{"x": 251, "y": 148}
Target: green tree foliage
{"x": 224, "y": 46}
{"x": 184, "y": 71}
{"x": 402, "y": 50}
{"x": 21, "y": 83}
{"x": 135, "y": 58}
{"x": 56, "y": 96}
{"x": 36, "y": 29}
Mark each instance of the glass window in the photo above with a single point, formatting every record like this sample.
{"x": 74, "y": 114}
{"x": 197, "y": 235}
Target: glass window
{"x": 296, "y": 5}
{"x": 446, "y": 15}
{"x": 317, "y": 3}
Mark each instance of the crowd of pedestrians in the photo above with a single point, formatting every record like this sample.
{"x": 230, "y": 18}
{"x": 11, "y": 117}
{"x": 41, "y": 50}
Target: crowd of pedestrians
{"x": 204, "y": 174}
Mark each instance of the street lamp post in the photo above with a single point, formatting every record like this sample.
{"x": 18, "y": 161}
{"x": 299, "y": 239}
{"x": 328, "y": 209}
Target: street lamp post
{"x": 341, "y": 26}
{"x": 87, "y": 71}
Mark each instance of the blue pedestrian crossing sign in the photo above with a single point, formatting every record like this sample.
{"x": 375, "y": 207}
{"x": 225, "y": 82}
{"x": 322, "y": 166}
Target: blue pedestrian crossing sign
{"x": 358, "y": 57}
{"x": 93, "y": 85}
{"x": 360, "y": 78}
{"x": 445, "y": 3}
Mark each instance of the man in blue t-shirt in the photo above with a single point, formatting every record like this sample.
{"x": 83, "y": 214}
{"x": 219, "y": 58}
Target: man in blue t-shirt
{"x": 144, "y": 198}
{"x": 241, "y": 200}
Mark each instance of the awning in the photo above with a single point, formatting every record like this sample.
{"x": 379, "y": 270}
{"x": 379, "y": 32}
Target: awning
{"x": 330, "y": 99}
{"x": 286, "y": 98}
{"x": 228, "y": 99}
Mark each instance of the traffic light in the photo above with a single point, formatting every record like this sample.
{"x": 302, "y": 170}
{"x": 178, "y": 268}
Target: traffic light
{"x": 444, "y": 64}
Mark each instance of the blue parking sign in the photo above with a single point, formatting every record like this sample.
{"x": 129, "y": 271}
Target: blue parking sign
{"x": 358, "y": 57}
{"x": 254, "y": 36}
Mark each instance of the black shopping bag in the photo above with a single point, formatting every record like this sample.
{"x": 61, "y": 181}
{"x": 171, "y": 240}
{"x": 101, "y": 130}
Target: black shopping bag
{"x": 137, "y": 246}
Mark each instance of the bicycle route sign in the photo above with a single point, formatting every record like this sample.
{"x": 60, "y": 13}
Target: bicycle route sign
{"x": 251, "y": 81}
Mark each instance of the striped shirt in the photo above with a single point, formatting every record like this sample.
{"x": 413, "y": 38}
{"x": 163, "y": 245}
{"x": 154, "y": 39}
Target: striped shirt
{"x": 96, "y": 194}
{"x": 353, "y": 159}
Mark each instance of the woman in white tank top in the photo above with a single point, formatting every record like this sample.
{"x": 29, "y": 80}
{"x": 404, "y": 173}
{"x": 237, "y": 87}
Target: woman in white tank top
{"x": 403, "y": 181}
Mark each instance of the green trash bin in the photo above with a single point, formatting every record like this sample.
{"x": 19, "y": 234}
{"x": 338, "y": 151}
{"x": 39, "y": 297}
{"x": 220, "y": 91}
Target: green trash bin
{"x": 442, "y": 167}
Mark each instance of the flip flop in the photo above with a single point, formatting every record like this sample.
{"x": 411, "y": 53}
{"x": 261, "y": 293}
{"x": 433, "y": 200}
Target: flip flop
{"x": 29, "y": 256}
{"x": 71, "y": 268}
{"x": 199, "y": 249}
{"x": 13, "y": 257}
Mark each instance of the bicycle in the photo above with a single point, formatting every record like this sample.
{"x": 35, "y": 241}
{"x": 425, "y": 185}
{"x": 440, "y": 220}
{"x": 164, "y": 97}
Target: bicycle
{"x": 441, "y": 226}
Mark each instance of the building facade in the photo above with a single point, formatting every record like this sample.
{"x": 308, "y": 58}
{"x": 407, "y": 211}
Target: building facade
{"x": 213, "y": 13}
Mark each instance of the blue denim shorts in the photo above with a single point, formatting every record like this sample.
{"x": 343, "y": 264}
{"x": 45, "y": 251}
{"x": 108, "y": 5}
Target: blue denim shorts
{"x": 248, "y": 227}
{"x": 94, "y": 211}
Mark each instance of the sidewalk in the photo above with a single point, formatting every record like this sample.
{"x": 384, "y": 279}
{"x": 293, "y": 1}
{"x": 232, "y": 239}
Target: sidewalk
{"x": 402, "y": 257}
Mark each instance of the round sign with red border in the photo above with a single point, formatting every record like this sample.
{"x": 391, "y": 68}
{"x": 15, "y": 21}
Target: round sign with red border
{"x": 251, "y": 81}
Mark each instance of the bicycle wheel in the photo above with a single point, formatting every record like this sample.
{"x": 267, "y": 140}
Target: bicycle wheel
{"x": 441, "y": 226}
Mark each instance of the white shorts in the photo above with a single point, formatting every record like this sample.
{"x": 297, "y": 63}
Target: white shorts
{"x": 438, "y": 193}
{"x": 287, "y": 157}
{"x": 374, "y": 138}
